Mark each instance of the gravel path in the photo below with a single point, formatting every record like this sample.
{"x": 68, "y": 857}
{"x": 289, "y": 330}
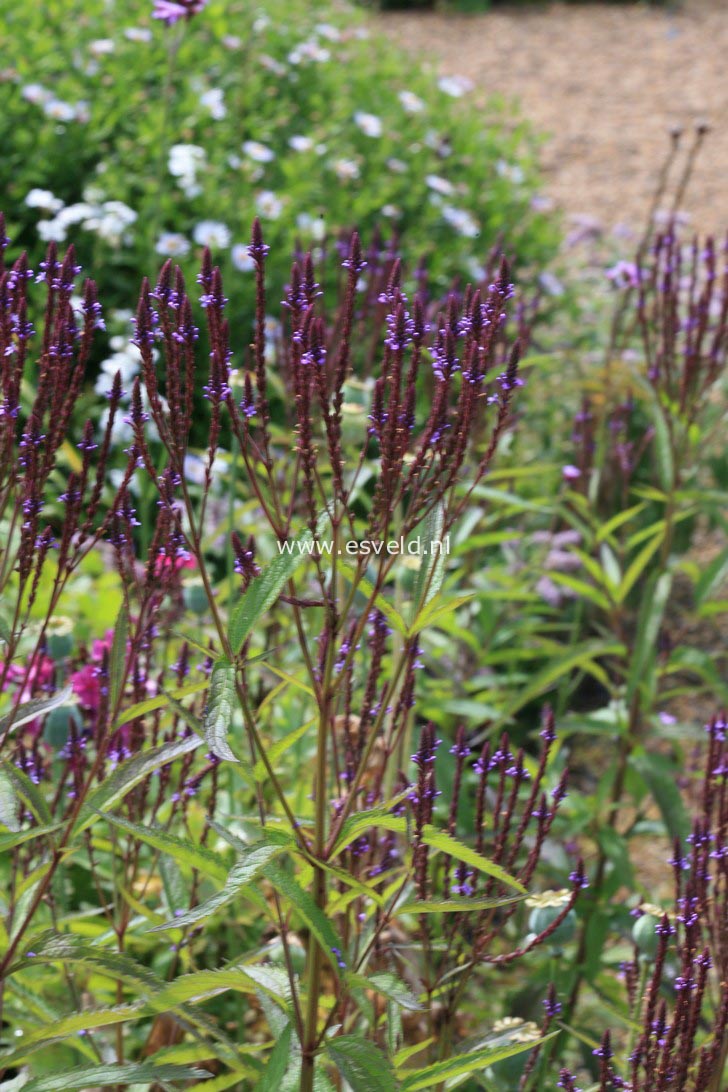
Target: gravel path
{"x": 605, "y": 83}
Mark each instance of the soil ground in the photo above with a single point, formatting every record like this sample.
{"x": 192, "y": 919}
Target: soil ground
{"x": 605, "y": 83}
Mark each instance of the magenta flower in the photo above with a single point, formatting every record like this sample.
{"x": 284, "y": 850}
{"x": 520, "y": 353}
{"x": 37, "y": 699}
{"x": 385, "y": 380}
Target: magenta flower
{"x": 87, "y": 687}
{"x": 174, "y": 10}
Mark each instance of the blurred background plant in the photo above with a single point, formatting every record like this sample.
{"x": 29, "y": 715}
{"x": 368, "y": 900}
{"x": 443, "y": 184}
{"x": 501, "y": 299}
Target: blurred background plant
{"x": 136, "y": 135}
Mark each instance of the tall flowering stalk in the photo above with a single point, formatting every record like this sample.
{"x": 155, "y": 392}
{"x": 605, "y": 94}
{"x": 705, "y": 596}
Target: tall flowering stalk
{"x": 677, "y": 982}
{"x": 362, "y": 848}
{"x": 637, "y": 487}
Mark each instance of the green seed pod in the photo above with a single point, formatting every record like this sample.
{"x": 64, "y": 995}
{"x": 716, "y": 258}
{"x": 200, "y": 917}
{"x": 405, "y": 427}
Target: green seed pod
{"x": 60, "y": 638}
{"x": 645, "y": 936}
{"x": 543, "y": 916}
{"x": 195, "y": 598}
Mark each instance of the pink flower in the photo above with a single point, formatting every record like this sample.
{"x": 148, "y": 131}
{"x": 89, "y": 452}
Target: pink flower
{"x": 40, "y": 677}
{"x": 171, "y": 11}
{"x": 86, "y": 686}
{"x": 624, "y": 274}
{"x": 164, "y": 563}
{"x": 570, "y": 473}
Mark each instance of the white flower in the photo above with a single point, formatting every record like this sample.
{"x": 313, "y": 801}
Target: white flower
{"x": 215, "y": 102}
{"x": 345, "y": 169}
{"x": 326, "y": 30}
{"x": 76, "y": 214}
{"x": 231, "y": 41}
{"x": 300, "y": 143}
{"x": 172, "y": 244}
{"x": 313, "y": 225}
{"x": 456, "y": 86}
{"x": 551, "y": 284}
{"x": 212, "y": 233}
{"x": 391, "y": 210}
{"x": 241, "y": 258}
{"x": 185, "y": 159}
{"x": 126, "y": 361}
{"x": 511, "y": 171}
{"x": 411, "y": 103}
{"x": 440, "y": 185}
{"x": 268, "y": 204}
{"x": 261, "y": 23}
{"x": 308, "y": 51}
{"x": 259, "y": 153}
{"x": 369, "y": 124}
{"x": 101, "y": 47}
{"x": 82, "y": 111}
{"x": 110, "y": 221}
{"x": 273, "y": 65}
{"x": 43, "y": 199}
{"x": 397, "y": 166}
{"x": 462, "y": 221}
{"x": 58, "y": 110}
{"x": 35, "y": 93}
{"x": 138, "y": 34}
{"x": 476, "y": 270}
{"x": 51, "y": 231}
{"x": 184, "y": 162}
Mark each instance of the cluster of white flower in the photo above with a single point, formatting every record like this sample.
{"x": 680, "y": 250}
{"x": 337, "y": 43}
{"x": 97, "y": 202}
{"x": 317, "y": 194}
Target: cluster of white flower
{"x": 345, "y": 169}
{"x": 184, "y": 162}
{"x": 102, "y": 47}
{"x": 268, "y": 205}
{"x": 259, "y": 153}
{"x": 138, "y": 34}
{"x": 110, "y": 220}
{"x": 171, "y": 244}
{"x": 313, "y": 226}
{"x": 214, "y": 101}
{"x": 455, "y": 86}
{"x": 369, "y": 124}
{"x": 411, "y": 103}
{"x": 309, "y": 51}
{"x": 53, "y": 107}
{"x": 461, "y": 220}
{"x": 512, "y": 171}
{"x": 212, "y": 233}
{"x": 440, "y": 185}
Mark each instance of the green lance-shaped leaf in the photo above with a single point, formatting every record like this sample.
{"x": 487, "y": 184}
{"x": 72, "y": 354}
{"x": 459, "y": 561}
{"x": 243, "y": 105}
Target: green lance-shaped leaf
{"x": 455, "y": 906}
{"x": 244, "y": 872}
{"x": 362, "y": 1064}
{"x": 363, "y": 821}
{"x": 275, "y": 1070}
{"x": 80, "y": 1077}
{"x": 38, "y": 707}
{"x": 9, "y": 804}
{"x": 652, "y": 610}
{"x": 309, "y": 912}
{"x": 128, "y": 775}
{"x": 265, "y": 589}
{"x": 185, "y": 853}
{"x": 149, "y": 705}
{"x": 220, "y": 709}
{"x": 440, "y": 839}
{"x": 422, "y": 1080}
{"x": 431, "y": 572}
{"x": 117, "y": 657}
{"x": 29, "y": 793}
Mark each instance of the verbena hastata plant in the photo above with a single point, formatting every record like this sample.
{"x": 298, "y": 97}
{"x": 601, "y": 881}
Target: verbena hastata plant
{"x": 677, "y": 982}
{"x": 368, "y": 915}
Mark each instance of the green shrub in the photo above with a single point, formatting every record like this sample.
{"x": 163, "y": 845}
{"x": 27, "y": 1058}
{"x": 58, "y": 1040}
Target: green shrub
{"x": 297, "y": 115}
